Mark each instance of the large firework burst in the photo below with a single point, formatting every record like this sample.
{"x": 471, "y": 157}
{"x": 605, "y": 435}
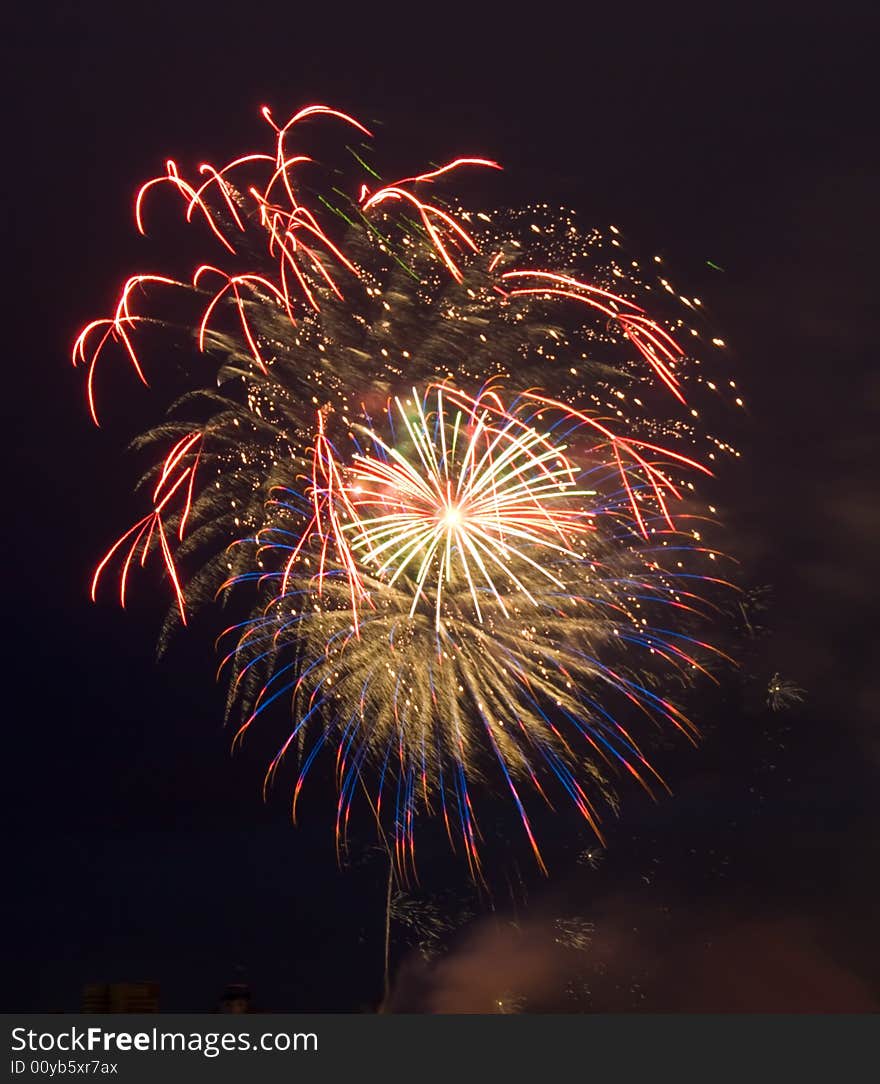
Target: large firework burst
{"x": 442, "y": 566}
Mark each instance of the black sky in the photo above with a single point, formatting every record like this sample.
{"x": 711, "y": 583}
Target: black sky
{"x": 137, "y": 846}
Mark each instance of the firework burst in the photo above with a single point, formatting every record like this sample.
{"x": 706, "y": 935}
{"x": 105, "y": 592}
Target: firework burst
{"x": 450, "y": 575}
{"x": 477, "y": 592}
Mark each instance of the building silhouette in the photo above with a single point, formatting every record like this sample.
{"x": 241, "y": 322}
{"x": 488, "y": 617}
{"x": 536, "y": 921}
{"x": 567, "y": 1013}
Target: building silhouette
{"x": 236, "y": 998}
{"x": 121, "y": 997}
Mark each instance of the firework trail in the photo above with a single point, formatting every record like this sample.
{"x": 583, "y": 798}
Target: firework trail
{"x": 783, "y": 693}
{"x": 450, "y": 574}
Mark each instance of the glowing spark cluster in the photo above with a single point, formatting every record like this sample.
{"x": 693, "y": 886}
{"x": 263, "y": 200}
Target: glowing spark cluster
{"x": 476, "y": 495}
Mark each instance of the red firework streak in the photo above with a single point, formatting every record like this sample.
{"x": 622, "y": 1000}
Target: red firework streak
{"x": 302, "y": 254}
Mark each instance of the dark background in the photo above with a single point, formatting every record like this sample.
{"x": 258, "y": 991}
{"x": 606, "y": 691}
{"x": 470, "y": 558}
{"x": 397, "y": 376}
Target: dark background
{"x": 138, "y": 848}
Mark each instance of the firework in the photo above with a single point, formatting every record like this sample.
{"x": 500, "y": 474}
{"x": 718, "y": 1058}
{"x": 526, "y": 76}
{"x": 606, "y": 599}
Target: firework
{"x": 783, "y": 693}
{"x": 574, "y": 933}
{"x": 506, "y": 627}
{"x": 449, "y": 574}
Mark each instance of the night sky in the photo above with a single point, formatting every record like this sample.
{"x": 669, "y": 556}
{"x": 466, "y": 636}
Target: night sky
{"x": 138, "y": 848}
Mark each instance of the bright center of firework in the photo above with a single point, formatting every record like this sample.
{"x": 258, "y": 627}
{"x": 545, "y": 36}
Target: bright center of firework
{"x": 452, "y": 517}
{"x": 476, "y": 499}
